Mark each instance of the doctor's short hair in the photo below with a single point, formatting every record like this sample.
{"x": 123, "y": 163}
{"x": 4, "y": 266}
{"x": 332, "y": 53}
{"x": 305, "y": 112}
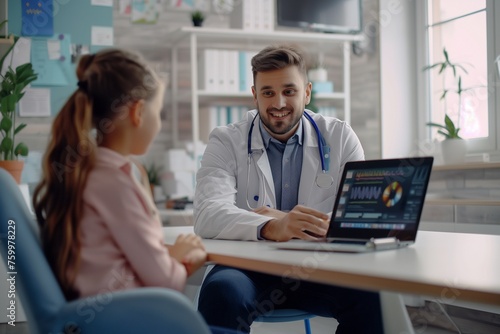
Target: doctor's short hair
{"x": 277, "y": 57}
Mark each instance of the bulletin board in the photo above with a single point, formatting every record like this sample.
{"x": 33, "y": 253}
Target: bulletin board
{"x": 74, "y": 22}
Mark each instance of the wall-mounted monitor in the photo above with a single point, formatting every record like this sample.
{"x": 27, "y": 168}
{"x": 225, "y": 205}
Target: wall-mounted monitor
{"x": 335, "y": 16}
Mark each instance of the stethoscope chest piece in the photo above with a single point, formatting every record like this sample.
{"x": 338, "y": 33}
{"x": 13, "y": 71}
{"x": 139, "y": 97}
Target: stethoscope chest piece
{"x": 324, "y": 180}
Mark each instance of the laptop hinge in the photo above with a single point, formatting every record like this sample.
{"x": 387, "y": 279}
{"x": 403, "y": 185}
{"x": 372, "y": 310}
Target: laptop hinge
{"x": 382, "y": 243}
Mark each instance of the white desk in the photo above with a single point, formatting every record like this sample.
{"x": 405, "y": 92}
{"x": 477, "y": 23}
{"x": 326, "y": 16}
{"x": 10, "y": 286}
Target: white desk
{"x": 445, "y": 266}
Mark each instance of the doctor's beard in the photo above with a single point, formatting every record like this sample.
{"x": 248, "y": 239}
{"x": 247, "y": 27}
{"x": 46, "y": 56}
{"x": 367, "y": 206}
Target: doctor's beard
{"x": 278, "y": 127}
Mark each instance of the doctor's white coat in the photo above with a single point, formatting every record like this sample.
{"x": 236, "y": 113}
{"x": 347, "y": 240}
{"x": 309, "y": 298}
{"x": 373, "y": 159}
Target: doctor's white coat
{"x": 223, "y": 195}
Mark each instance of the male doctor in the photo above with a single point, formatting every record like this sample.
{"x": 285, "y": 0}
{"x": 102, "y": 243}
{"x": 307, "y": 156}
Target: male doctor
{"x": 264, "y": 178}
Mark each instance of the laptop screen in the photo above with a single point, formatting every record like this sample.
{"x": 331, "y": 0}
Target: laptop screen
{"x": 381, "y": 198}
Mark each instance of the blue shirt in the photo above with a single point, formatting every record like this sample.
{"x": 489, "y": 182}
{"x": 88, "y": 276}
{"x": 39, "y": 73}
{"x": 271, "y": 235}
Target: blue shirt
{"x": 285, "y": 160}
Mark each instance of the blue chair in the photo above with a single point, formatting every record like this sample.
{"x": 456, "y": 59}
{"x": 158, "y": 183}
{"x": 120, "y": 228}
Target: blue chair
{"x": 288, "y": 315}
{"x": 144, "y": 310}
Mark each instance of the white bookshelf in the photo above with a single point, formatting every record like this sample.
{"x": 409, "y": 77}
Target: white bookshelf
{"x": 199, "y": 38}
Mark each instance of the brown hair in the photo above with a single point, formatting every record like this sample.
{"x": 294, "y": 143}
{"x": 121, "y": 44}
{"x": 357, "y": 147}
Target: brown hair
{"x": 107, "y": 82}
{"x": 278, "y": 57}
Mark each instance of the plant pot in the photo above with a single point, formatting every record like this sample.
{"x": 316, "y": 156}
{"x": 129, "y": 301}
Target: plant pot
{"x": 197, "y": 23}
{"x": 14, "y": 167}
{"x": 317, "y": 74}
{"x": 453, "y": 151}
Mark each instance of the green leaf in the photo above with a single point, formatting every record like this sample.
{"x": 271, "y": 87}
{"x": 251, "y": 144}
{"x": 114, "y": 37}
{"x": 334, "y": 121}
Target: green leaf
{"x": 462, "y": 68}
{"x": 8, "y": 103}
{"x": 24, "y": 71}
{"x": 446, "y": 134}
{"x": 445, "y": 53}
{"x": 429, "y": 67}
{"x": 437, "y": 125}
{"x": 444, "y": 94}
{"x": 19, "y": 96}
{"x": 7, "y": 84}
{"x": 443, "y": 67}
{"x": 19, "y": 128}
{"x": 21, "y": 149}
{"x": 449, "y": 124}
{"x": 6, "y": 144}
{"x": 23, "y": 67}
{"x": 6, "y": 124}
{"x": 448, "y": 130}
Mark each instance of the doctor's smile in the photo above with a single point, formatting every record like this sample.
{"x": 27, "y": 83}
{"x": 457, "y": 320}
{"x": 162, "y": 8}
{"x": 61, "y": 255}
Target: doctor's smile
{"x": 276, "y": 114}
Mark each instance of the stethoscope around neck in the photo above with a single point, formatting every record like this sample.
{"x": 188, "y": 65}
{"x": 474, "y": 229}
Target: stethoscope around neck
{"x": 323, "y": 179}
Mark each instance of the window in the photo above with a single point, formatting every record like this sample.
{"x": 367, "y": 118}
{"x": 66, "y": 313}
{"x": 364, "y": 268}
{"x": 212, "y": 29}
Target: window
{"x": 466, "y": 29}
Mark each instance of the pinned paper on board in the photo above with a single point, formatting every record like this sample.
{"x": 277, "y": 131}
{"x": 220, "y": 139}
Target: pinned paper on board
{"x": 190, "y": 4}
{"x": 78, "y": 50}
{"x": 51, "y": 59}
{"x": 102, "y": 36}
{"x": 125, "y": 7}
{"x": 37, "y": 18}
{"x": 35, "y": 103}
{"x": 54, "y": 49}
{"x": 145, "y": 11}
{"x": 104, "y": 3}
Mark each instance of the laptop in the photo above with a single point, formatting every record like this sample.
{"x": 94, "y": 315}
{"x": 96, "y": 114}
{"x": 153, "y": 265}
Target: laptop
{"x": 378, "y": 207}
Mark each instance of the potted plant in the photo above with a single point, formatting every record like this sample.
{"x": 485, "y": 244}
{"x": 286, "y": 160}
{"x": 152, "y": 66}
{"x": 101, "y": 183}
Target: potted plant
{"x": 12, "y": 85}
{"x": 154, "y": 178}
{"x": 453, "y": 147}
{"x": 197, "y": 17}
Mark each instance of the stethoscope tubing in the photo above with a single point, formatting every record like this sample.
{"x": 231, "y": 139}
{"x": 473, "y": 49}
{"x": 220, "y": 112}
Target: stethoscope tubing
{"x": 321, "y": 141}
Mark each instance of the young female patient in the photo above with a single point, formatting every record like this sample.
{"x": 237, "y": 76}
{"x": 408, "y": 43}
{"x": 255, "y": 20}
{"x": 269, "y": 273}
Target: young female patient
{"x": 100, "y": 229}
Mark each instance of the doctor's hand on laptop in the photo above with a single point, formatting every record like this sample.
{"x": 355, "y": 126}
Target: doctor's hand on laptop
{"x": 300, "y": 223}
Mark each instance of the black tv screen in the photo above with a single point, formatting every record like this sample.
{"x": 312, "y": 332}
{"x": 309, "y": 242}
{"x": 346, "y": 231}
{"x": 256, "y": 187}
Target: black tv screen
{"x": 337, "y": 16}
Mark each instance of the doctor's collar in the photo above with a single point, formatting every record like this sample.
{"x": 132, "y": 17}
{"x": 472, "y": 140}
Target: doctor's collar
{"x": 266, "y": 136}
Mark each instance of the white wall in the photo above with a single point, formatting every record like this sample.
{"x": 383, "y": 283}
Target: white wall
{"x": 398, "y": 67}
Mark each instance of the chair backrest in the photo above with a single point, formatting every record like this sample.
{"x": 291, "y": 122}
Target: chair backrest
{"x": 40, "y": 294}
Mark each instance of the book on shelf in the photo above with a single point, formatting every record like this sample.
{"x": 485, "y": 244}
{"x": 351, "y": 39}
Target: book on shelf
{"x": 227, "y": 71}
{"x": 246, "y": 78}
{"x": 232, "y": 73}
{"x": 210, "y": 69}
{"x": 256, "y": 15}
{"x": 223, "y": 115}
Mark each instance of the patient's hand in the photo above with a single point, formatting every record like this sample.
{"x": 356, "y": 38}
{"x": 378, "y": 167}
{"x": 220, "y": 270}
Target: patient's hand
{"x": 183, "y": 245}
{"x": 193, "y": 260}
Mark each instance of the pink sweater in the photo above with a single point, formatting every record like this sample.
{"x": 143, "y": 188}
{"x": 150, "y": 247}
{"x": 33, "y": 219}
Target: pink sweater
{"x": 122, "y": 239}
